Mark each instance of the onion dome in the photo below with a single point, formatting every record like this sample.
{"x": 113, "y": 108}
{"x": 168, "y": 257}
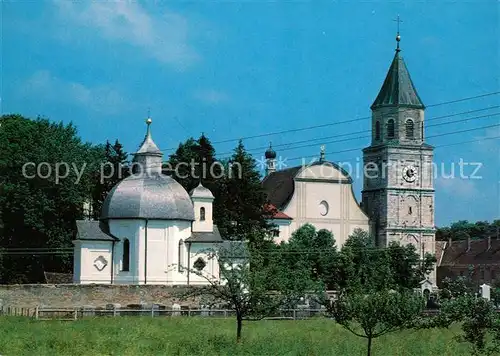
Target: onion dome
{"x": 270, "y": 153}
{"x": 147, "y": 193}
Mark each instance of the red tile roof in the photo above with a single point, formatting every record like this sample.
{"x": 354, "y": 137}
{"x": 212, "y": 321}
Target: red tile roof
{"x": 276, "y": 214}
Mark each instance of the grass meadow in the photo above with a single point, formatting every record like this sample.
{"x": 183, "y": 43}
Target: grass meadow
{"x": 207, "y": 336}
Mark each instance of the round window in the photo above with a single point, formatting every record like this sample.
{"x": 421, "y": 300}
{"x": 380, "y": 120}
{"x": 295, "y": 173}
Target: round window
{"x": 323, "y": 208}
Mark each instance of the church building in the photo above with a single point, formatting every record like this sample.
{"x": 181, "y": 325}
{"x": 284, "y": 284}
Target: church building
{"x": 151, "y": 230}
{"x": 398, "y": 189}
{"x": 320, "y": 194}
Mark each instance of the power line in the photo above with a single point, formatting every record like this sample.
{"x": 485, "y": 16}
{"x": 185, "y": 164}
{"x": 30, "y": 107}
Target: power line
{"x": 364, "y": 131}
{"x": 360, "y": 148}
{"x": 341, "y": 122}
{"x": 369, "y": 135}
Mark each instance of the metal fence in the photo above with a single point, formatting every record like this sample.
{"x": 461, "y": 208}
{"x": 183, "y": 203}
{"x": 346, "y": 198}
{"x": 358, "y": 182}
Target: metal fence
{"x": 69, "y": 314}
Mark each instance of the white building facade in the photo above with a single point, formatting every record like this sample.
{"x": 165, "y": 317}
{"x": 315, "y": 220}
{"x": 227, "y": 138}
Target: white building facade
{"x": 320, "y": 194}
{"x": 151, "y": 230}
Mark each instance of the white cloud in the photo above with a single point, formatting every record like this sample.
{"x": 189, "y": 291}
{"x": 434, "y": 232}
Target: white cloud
{"x": 163, "y": 37}
{"x": 211, "y": 96}
{"x": 102, "y": 99}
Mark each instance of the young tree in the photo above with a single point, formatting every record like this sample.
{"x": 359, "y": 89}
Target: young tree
{"x": 479, "y": 319}
{"x": 243, "y": 284}
{"x": 375, "y": 314}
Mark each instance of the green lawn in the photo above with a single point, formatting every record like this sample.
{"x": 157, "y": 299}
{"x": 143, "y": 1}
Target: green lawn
{"x": 205, "y": 336}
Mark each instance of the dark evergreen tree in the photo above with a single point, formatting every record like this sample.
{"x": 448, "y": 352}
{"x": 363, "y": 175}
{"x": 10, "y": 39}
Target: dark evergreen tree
{"x": 181, "y": 164}
{"x": 244, "y": 197}
{"x": 113, "y": 168}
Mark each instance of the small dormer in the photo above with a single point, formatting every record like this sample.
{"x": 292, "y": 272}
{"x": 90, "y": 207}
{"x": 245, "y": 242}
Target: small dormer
{"x": 202, "y": 199}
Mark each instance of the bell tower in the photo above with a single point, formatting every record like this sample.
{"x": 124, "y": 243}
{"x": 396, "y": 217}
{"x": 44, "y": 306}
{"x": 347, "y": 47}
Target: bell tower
{"x": 398, "y": 187}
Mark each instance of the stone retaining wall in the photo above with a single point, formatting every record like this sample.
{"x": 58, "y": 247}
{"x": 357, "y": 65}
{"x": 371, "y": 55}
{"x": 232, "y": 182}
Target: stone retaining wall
{"x": 75, "y": 295}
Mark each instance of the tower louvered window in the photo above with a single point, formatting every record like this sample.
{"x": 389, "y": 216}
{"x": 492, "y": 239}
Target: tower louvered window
{"x": 410, "y": 130}
{"x": 390, "y": 128}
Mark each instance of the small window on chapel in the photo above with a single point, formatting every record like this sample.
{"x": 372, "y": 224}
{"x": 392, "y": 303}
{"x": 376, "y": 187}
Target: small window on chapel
{"x": 390, "y": 128}
{"x": 126, "y": 256}
{"x": 202, "y": 214}
{"x": 377, "y": 130}
{"x": 410, "y": 130}
{"x": 409, "y": 210}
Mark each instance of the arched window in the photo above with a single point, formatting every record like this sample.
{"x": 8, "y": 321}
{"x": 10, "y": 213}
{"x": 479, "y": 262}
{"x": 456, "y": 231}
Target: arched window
{"x": 181, "y": 256}
{"x": 410, "y": 130}
{"x": 377, "y": 130}
{"x": 390, "y": 128}
{"x": 202, "y": 214}
{"x": 126, "y": 256}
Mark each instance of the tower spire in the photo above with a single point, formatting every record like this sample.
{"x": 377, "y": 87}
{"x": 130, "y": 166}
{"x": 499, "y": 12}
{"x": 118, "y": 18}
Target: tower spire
{"x": 149, "y": 156}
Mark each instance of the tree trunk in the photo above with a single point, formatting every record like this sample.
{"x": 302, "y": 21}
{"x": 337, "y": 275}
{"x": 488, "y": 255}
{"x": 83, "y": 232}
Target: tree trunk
{"x": 369, "y": 346}
{"x": 239, "y": 321}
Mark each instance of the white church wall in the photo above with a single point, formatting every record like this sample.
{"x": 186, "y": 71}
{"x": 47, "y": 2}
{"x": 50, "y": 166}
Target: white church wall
{"x": 211, "y": 270}
{"x": 180, "y": 230}
{"x": 323, "y": 197}
{"x": 157, "y": 250}
{"x": 126, "y": 229}
{"x": 94, "y": 262}
{"x": 161, "y": 251}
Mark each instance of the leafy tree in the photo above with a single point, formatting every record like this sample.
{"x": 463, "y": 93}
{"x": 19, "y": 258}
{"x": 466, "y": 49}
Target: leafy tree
{"x": 455, "y": 288}
{"x": 39, "y": 209}
{"x": 364, "y": 267}
{"x": 375, "y": 314}
{"x": 311, "y": 256}
{"x": 112, "y": 170}
{"x": 479, "y": 319}
{"x": 243, "y": 284}
{"x": 300, "y": 266}
{"x": 407, "y": 267}
{"x": 463, "y": 229}
{"x": 495, "y": 292}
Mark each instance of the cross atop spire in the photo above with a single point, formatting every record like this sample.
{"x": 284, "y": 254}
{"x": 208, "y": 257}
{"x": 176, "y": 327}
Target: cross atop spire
{"x": 148, "y": 145}
{"x": 322, "y": 153}
{"x": 398, "y": 37}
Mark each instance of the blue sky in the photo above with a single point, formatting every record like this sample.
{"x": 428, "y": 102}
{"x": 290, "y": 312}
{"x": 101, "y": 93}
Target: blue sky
{"x": 233, "y": 69}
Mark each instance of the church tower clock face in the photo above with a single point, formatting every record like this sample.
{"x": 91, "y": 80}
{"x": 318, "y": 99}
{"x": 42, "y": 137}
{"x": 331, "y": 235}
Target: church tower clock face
{"x": 409, "y": 173}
